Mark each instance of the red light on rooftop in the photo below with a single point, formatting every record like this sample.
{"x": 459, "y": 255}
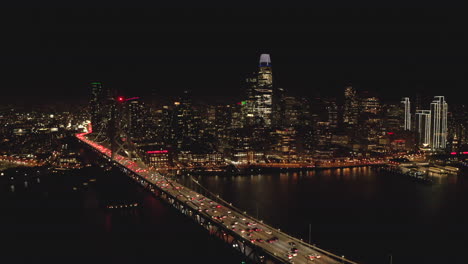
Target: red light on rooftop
{"x": 390, "y": 133}
{"x": 465, "y": 152}
{"x": 120, "y": 99}
{"x": 156, "y": 151}
{"x": 453, "y": 153}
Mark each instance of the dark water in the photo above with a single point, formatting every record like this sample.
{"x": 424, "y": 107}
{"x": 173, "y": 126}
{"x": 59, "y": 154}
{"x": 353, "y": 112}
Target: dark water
{"x": 360, "y": 213}
{"x": 46, "y": 221}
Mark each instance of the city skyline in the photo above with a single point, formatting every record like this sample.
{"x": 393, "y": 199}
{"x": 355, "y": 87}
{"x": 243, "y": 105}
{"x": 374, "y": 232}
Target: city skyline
{"x": 237, "y": 136}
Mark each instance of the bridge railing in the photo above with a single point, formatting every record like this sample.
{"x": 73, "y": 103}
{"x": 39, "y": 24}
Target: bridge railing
{"x": 238, "y": 210}
{"x": 241, "y": 212}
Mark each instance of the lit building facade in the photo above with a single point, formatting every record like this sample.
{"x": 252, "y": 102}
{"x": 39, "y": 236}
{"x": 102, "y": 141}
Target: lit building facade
{"x": 136, "y": 117}
{"x": 370, "y": 105}
{"x": 407, "y": 112}
{"x": 439, "y": 109}
{"x": 423, "y": 124}
{"x": 351, "y": 106}
{"x": 260, "y": 93}
{"x": 99, "y": 104}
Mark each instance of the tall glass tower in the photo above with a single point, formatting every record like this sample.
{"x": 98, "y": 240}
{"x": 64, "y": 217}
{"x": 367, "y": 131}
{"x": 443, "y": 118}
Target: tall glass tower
{"x": 99, "y": 106}
{"x": 423, "y": 126}
{"x": 261, "y": 93}
{"x": 439, "y": 123}
{"x": 351, "y": 107}
{"x": 407, "y": 121}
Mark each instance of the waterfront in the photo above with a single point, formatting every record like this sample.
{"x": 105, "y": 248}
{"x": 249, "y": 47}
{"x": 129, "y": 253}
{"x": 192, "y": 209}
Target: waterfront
{"x": 361, "y": 213}
{"x": 358, "y": 212}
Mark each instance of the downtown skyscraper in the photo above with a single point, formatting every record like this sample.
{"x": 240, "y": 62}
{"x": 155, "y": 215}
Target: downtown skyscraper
{"x": 260, "y": 93}
{"x": 407, "y": 112}
{"x": 423, "y": 127}
{"x": 99, "y": 106}
{"x": 439, "y": 123}
{"x": 351, "y": 106}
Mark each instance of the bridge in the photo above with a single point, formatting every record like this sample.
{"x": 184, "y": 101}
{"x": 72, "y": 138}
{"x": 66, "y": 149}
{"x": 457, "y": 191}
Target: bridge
{"x": 256, "y": 240}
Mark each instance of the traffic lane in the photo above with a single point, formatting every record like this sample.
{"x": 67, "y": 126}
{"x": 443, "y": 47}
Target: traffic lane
{"x": 284, "y": 246}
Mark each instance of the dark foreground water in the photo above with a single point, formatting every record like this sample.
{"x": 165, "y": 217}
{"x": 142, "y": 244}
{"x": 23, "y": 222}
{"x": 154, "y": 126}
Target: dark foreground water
{"x": 360, "y": 213}
{"x": 47, "y": 221}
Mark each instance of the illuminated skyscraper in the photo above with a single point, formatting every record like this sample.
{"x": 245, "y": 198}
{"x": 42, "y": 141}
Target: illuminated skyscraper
{"x": 439, "y": 123}
{"x": 423, "y": 125}
{"x": 351, "y": 107}
{"x": 184, "y": 121}
{"x": 136, "y": 117}
{"x": 99, "y": 104}
{"x": 407, "y": 121}
{"x": 260, "y": 93}
{"x": 370, "y": 105}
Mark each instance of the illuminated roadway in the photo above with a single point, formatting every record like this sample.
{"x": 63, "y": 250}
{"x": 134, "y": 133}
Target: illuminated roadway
{"x": 231, "y": 218}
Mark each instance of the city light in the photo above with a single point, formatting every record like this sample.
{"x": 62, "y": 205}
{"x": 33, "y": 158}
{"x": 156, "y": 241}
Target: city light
{"x": 156, "y": 151}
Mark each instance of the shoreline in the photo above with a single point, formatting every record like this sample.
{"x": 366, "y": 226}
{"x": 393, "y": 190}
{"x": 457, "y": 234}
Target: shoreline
{"x": 254, "y": 170}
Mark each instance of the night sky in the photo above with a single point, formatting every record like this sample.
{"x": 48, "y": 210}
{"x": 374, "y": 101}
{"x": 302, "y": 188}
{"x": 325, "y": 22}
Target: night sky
{"x": 52, "y": 54}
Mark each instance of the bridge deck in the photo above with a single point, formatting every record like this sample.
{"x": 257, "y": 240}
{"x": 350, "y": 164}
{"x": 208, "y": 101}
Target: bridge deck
{"x": 229, "y": 217}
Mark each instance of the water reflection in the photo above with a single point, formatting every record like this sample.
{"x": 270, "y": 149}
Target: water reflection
{"x": 351, "y": 208}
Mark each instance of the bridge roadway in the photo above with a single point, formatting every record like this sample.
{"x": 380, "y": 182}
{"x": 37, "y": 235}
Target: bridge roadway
{"x": 253, "y": 230}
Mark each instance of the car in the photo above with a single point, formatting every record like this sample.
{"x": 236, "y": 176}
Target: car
{"x": 289, "y": 256}
{"x": 259, "y": 240}
{"x": 234, "y": 223}
{"x": 294, "y": 249}
{"x": 257, "y": 229}
{"x": 293, "y": 253}
{"x": 268, "y": 231}
{"x": 253, "y": 240}
{"x": 313, "y": 256}
{"x": 275, "y": 238}
{"x": 292, "y": 244}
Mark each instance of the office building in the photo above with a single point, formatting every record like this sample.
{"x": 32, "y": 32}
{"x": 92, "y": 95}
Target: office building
{"x": 439, "y": 123}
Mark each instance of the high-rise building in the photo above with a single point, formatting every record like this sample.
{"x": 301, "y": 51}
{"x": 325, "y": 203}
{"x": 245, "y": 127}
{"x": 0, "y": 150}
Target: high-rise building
{"x": 136, "y": 117}
{"x": 406, "y": 104}
{"x": 439, "y": 123}
{"x": 370, "y": 105}
{"x": 332, "y": 110}
{"x": 260, "y": 93}
{"x": 423, "y": 125}
{"x": 393, "y": 117}
{"x": 351, "y": 106}
{"x": 99, "y": 104}
{"x": 183, "y": 121}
